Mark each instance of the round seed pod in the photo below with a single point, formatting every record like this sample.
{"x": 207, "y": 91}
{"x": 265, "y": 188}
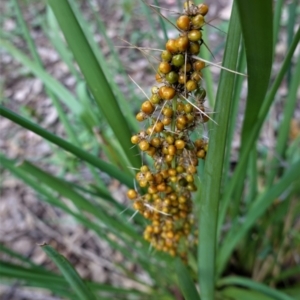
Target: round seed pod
{"x": 155, "y": 142}
{"x": 169, "y": 158}
{"x": 144, "y": 168}
{"x": 138, "y": 205}
{"x": 168, "y": 112}
{"x": 158, "y": 127}
{"x": 170, "y": 139}
{"x": 161, "y": 187}
{"x": 171, "y": 46}
{"x": 196, "y": 76}
{"x": 189, "y": 178}
{"x": 182, "y": 43}
{"x": 180, "y": 126}
{"x": 166, "y": 121}
{"x": 172, "y": 172}
{"x": 147, "y": 107}
{"x": 158, "y": 78}
{"x": 144, "y": 145}
{"x": 190, "y": 117}
{"x": 201, "y": 154}
{"x": 198, "y": 65}
{"x": 164, "y": 67}
{"x": 191, "y": 169}
{"x": 195, "y": 35}
{"x": 167, "y": 93}
{"x": 198, "y": 144}
{"x": 202, "y": 9}
{"x": 188, "y": 108}
{"x": 171, "y": 149}
{"x": 135, "y": 139}
{"x": 166, "y": 55}
{"x": 155, "y": 99}
{"x": 183, "y": 22}
{"x": 194, "y": 48}
{"x": 180, "y": 107}
{"x": 182, "y": 120}
{"x": 182, "y": 79}
{"x": 191, "y": 85}
{"x": 132, "y": 194}
{"x": 179, "y": 144}
{"x": 178, "y": 60}
{"x": 140, "y": 117}
{"x": 198, "y": 21}
{"x": 172, "y": 77}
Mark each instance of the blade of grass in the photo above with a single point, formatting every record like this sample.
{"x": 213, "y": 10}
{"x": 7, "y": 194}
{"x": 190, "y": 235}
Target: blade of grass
{"x": 142, "y": 259}
{"x": 33, "y": 50}
{"x": 94, "y": 76}
{"x": 284, "y": 127}
{"x": 276, "y": 295}
{"x": 235, "y": 293}
{"x": 126, "y": 109}
{"x": 248, "y": 144}
{"x": 259, "y": 53}
{"x": 210, "y": 195}
{"x": 93, "y": 160}
{"x": 258, "y": 208}
{"x": 186, "y": 284}
{"x": 81, "y": 203}
{"x": 62, "y": 116}
{"x": 69, "y": 272}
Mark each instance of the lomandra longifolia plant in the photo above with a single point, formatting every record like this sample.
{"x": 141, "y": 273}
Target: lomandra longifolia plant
{"x": 173, "y": 112}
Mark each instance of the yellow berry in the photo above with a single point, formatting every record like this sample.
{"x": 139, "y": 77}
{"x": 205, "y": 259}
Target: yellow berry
{"x": 183, "y": 22}
{"x": 132, "y": 194}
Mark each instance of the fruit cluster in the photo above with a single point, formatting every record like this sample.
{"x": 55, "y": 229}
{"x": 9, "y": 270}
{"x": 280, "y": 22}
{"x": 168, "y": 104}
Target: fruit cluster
{"x": 173, "y": 111}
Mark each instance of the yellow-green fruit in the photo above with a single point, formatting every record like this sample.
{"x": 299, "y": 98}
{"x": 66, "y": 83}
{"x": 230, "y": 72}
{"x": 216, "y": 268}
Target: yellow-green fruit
{"x": 135, "y": 139}
{"x": 147, "y": 107}
{"x": 144, "y": 145}
{"x": 179, "y": 144}
{"x": 140, "y": 117}
{"x": 198, "y": 21}
{"x": 191, "y": 85}
{"x": 198, "y": 65}
{"x": 195, "y": 35}
{"x": 172, "y": 77}
{"x": 132, "y": 194}
{"x": 164, "y": 67}
{"x": 194, "y": 48}
{"x": 167, "y": 93}
{"x": 171, "y": 46}
{"x": 202, "y": 9}
{"x": 178, "y": 60}
{"x": 183, "y": 22}
{"x": 166, "y": 55}
{"x": 182, "y": 43}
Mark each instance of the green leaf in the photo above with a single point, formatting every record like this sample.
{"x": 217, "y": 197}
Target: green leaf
{"x": 70, "y": 274}
{"x": 93, "y": 160}
{"x": 94, "y": 76}
{"x": 258, "y": 208}
{"x": 248, "y": 283}
{"x": 235, "y": 293}
{"x": 257, "y": 28}
{"x": 186, "y": 284}
{"x": 210, "y": 196}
